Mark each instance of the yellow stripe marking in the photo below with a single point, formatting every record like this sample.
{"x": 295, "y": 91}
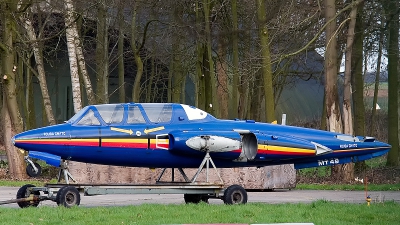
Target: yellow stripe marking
{"x": 146, "y": 131}
{"x": 159, "y": 141}
{"x": 124, "y": 140}
{"x": 285, "y": 149}
{"x": 130, "y": 132}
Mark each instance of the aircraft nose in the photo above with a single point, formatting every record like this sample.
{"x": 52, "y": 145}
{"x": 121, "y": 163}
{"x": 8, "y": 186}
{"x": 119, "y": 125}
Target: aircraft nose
{"x": 384, "y": 145}
{"x": 15, "y": 140}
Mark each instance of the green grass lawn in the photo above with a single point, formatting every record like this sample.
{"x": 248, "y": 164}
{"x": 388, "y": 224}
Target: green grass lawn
{"x": 349, "y": 187}
{"x": 320, "y": 212}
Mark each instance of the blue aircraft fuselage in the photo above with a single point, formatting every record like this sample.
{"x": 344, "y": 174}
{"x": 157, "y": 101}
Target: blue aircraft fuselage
{"x": 170, "y": 135}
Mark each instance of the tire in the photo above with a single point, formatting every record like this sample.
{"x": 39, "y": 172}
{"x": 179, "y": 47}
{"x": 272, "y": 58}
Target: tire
{"x": 195, "y": 198}
{"x": 68, "y": 197}
{"x": 31, "y": 172}
{"x": 235, "y": 194}
{"x": 23, "y": 193}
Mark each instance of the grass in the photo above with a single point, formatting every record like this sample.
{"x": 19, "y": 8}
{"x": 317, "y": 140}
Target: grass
{"x": 19, "y": 183}
{"x": 349, "y": 187}
{"x": 319, "y": 212}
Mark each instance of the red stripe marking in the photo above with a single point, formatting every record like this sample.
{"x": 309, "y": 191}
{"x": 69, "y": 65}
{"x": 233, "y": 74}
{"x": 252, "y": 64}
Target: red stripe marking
{"x": 153, "y": 145}
{"x": 61, "y": 142}
{"x": 123, "y": 145}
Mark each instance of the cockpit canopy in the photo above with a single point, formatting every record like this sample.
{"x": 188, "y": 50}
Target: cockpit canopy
{"x": 137, "y": 113}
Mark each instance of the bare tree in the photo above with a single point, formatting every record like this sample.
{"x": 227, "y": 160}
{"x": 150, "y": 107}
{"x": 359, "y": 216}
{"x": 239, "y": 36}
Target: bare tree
{"x": 392, "y": 12}
{"x": 334, "y": 120}
{"x": 102, "y": 62}
{"x": 136, "y": 54}
{"x": 11, "y": 118}
{"x": 266, "y": 65}
{"x": 377, "y": 77}
{"x": 71, "y": 33}
{"x": 41, "y": 75}
{"x": 121, "y": 66}
{"x": 234, "y": 97}
{"x": 348, "y": 169}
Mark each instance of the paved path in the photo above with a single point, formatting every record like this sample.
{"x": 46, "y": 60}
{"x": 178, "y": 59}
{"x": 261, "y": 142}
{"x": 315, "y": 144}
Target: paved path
{"x": 278, "y": 196}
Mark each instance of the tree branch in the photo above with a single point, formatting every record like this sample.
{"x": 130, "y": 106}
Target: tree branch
{"x": 145, "y": 33}
{"x": 353, "y": 4}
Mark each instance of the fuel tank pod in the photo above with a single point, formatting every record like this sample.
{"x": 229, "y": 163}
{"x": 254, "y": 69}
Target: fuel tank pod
{"x": 220, "y": 144}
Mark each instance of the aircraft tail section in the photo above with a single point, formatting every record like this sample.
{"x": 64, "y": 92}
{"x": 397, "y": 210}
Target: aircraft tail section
{"x": 330, "y": 161}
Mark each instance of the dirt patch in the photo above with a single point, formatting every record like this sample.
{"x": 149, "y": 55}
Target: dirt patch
{"x": 4, "y": 173}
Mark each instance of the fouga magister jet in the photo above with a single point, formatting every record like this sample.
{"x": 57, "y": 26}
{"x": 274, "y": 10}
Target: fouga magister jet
{"x": 171, "y": 135}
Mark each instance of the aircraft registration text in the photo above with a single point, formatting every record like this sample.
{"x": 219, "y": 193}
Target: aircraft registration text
{"x": 348, "y": 146}
{"x": 327, "y": 162}
{"x": 57, "y": 133}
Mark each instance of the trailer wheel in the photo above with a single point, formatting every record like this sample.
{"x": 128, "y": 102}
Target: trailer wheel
{"x": 31, "y": 172}
{"x": 23, "y": 193}
{"x": 68, "y": 197}
{"x": 195, "y": 198}
{"x": 235, "y": 194}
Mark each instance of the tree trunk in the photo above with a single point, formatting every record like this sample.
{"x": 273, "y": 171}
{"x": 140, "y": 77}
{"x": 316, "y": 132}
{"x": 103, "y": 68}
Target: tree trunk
{"x": 201, "y": 89}
{"x": 358, "y": 80}
{"x": 102, "y": 53}
{"x": 334, "y": 121}
{"x": 29, "y": 100}
{"x": 121, "y": 66}
{"x": 234, "y": 97}
{"x": 16, "y": 162}
{"x": 357, "y": 76}
{"x": 82, "y": 69}
{"x": 348, "y": 169}
{"x": 376, "y": 87}
{"x": 136, "y": 55}
{"x": 266, "y": 67}
{"x": 11, "y": 118}
{"x": 37, "y": 51}
{"x": 71, "y": 34}
{"x": 222, "y": 88}
{"x": 391, "y": 8}
{"x": 176, "y": 74}
{"x": 210, "y": 84}
{"x": 151, "y": 81}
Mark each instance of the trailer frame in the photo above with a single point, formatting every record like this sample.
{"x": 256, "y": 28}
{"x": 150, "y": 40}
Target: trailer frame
{"x": 69, "y": 195}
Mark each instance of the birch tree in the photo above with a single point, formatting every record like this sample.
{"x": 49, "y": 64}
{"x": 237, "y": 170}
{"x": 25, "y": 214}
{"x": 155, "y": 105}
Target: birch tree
{"x": 71, "y": 34}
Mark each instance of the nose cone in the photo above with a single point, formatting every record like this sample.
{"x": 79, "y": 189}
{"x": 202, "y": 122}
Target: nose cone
{"x": 383, "y": 145}
{"x": 33, "y": 139}
{"x": 20, "y": 140}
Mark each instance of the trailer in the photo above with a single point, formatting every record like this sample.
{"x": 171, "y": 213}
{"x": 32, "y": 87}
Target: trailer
{"x": 69, "y": 195}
